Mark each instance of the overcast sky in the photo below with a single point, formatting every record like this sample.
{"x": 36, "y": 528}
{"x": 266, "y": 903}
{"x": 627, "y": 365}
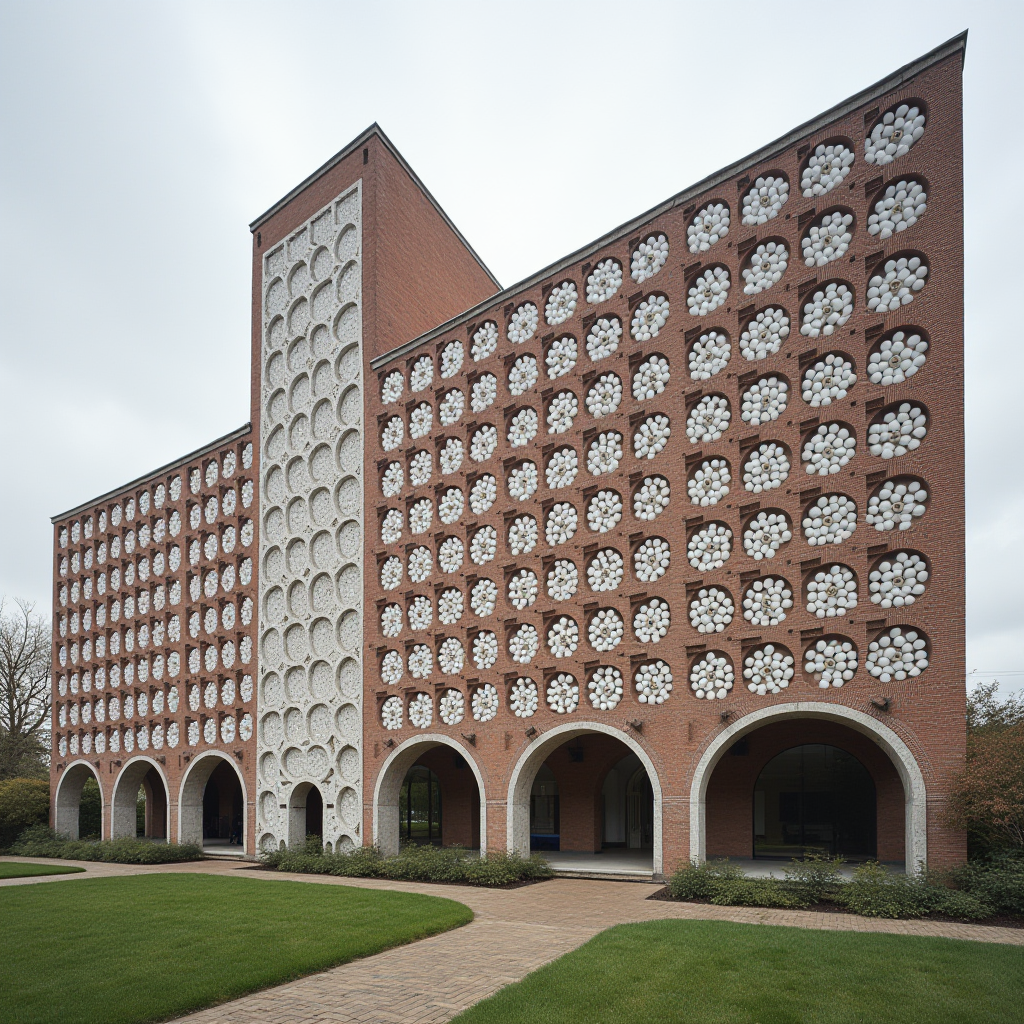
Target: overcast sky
{"x": 137, "y": 141}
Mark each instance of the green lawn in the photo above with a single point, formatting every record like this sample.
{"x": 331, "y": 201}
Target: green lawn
{"x": 24, "y": 869}
{"x": 143, "y": 948}
{"x": 711, "y": 971}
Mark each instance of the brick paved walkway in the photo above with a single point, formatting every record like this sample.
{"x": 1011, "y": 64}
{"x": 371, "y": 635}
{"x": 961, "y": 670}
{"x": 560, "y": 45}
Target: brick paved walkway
{"x": 514, "y": 932}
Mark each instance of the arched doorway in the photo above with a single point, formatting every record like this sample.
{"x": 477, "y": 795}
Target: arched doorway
{"x": 419, "y": 808}
{"x": 305, "y": 814}
{"x": 139, "y": 807}
{"x": 545, "y": 820}
{"x": 815, "y": 798}
{"x": 212, "y": 808}
{"x": 78, "y": 803}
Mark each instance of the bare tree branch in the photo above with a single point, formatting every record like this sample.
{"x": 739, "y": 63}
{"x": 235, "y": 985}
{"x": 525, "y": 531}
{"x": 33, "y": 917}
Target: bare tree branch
{"x": 25, "y": 653}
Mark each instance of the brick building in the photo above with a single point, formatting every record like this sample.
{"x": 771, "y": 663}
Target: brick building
{"x": 657, "y": 554}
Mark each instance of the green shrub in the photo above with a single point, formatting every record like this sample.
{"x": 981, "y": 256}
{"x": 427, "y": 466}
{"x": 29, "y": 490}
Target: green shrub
{"x": 23, "y": 803}
{"x": 876, "y": 892}
{"x": 961, "y": 905}
{"x": 40, "y": 841}
{"x": 756, "y": 892}
{"x": 815, "y": 879}
{"x": 701, "y": 881}
{"x": 997, "y": 882}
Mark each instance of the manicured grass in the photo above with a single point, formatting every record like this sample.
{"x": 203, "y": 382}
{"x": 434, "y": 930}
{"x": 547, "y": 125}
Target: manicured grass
{"x": 712, "y": 971}
{"x": 19, "y": 869}
{"x": 143, "y": 948}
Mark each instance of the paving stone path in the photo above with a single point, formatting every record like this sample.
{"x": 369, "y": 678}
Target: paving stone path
{"x": 514, "y": 931}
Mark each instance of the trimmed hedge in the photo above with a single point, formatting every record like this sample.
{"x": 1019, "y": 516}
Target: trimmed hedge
{"x": 40, "y": 841}
{"x": 412, "y": 864}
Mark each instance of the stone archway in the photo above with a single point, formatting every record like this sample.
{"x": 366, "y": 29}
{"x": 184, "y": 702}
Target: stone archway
{"x": 388, "y": 787}
{"x": 190, "y": 797}
{"x": 123, "y": 805}
{"x": 521, "y": 783}
{"x": 915, "y": 817}
{"x": 68, "y": 798}
{"x": 298, "y": 813}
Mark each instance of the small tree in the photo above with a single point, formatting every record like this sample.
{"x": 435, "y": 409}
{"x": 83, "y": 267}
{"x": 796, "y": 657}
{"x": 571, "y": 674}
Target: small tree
{"x": 23, "y": 802}
{"x": 24, "y": 691}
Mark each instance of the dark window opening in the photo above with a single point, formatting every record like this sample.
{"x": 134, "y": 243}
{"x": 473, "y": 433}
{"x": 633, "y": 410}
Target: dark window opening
{"x": 544, "y": 811}
{"x": 419, "y": 807}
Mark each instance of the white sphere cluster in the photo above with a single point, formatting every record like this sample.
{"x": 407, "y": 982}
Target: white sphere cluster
{"x": 604, "y": 512}
{"x": 563, "y": 637}
{"x": 651, "y": 436}
{"x": 391, "y": 668}
{"x": 523, "y": 698}
{"x": 764, "y": 401}
{"x": 485, "y": 702}
{"x": 900, "y": 208}
{"x": 523, "y": 375}
{"x": 485, "y": 650}
{"x": 483, "y": 599}
{"x": 764, "y": 334}
{"x": 561, "y": 524}
{"x": 897, "y": 654}
{"x": 709, "y": 291}
{"x": 393, "y": 434}
{"x": 421, "y": 711}
{"x": 765, "y": 534}
{"x": 605, "y": 570}
{"x": 651, "y": 378}
{"x": 651, "y": 498}
{"x": 420, "y": 468}
{"x": 563, "y": 580}
{"x": 766, "y": 468}
{"x": 605, "y": 453}
{"x": 391, "y": 573}
{"x": 422, "y": 374}
{"x": 485, "y": 341}
{"x": 392, "y": 388}
{"x": 393, "y": 480}
{"x": 605, "y": 688}
{"x": 561, "y": 303}
{"x": 421, "y": 420}
{"x": 561, "y": 356}
{"x": 562, "y": 468}
{"x": 830, "y": 307}
{"x": 828, "y": 240}
{"x": 649, "y": 318}
{"x": 899, "y": 581}
{"x": 481, "y": 448}
{"x": 893, "y": 136}
{"x": 523, "y": 323}
{"x": 828, "y": 380}
{"x": 604, "y": 281}
{"x": 523, "y": 589}
{"x": 421, "y": 613}
{"x": 451, "y": 657}
{"x": 522, "y": 535}
{"x": 522, "y": 428}
{"x": 484, "y": 392}
{"x": 390, "y": 527}
{"x": 603, "y": 338}
{"x": 562, "y": 410}
{"x": 832, "y": 661}
{"x": 649, "y": 258}
{"x": 711, "y": 610}
{"x": 452, "y": 454}
{"x": 563, "y": 694}
{"x": 709, "y": 483}
{"x": 900, "y": 430}
{"x": 651, "y": 559}
{"x": 828, "y": 449}
{"x": 449, "y": 508}
{"x": 605, "y": 629}
{"x": 523, "y": 481}
{"x": 604, "y": 396}
{"x": 708, "y": 419}
{"x": 653, "y": 682}
{"x": 765, "y": 200}
{"x": 484, "y": 545}
{"x": 451, "y": 359}
{"x": 832, "y": 592}
{"x": 710, "y": 547}
{"x": 766, "y": 602}
{"x": 391, "y": 620}
{"x": 768, "y": 262}
{"x": 896, "y": 286}
{"x": 768, "y": 669}
{"x": 390, "y": 713}
{"x": 450, "y": 607}
{"x": 897, "y": 358}
{"x": 826, "y": 167}
{"x": 421, "y": 661}
{"x": 420, "y": 565}
{"x": 830, "y": 520}
{"x": 524, "y": 644}
{"x": 708, "y": 355}
{"x": 712, "y": 676}
{"x": 896, "y": 505}
{"x": 651, "y": 621}
{"x": 450, "y": 556}
{"x": 709, "y": 226}
{"x": 483, "y": 493}
{"x": 452, "y": 707}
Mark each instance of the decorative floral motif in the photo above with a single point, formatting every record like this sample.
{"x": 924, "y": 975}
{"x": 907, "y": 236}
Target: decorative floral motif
{"x": 522, "y": 535}
{"x": 765, "y": 534}
{"x": 900, "y": 208}
{"x": 523, "y": 323}
{"x": 828, "y": 449}
{"x": 826, "y": 168}
{"x": 452, "y": 707}
{"x": 832, "y": 661}
{"x": 390, "y": 715}
{"x": 561, "y": 303}
{"x": 709, "y": 291}
{"x": 484, "y": 702}
{"x": 828, "y": 240}
{"x": 653, "y": 682}
{"x": 605, "y": 687}
{"x": 563, "y": 694}
{"x": 649, "y": 258}
{"x": 449, "y": 607}
{"x": 709, "y": 483}
{"x": 651, "y": 498}
{"x": 768, "y": 262}
{"x": 651, "y": 560}
{"x": 604, "y": 511}
{"x": 449, "y": 508}
{"x": 899, "y": 581}
{"x": 391, "y": 620}
{"x": 604, "y": 281}
{"x": 708, "y": 419}
{"x": 485, "y": 650}
{"x": 709, "y": 548}
{"x": 451, "y": 359}
{"x": 768, "y": 669}
{"x": 523, "y": 375}
{"x": 450, "y": 556}
{"x": 484, "y": 598}
{"x": 421, "y": 661}
{"x": 484, "y": 443}
{"x": 451, "y": 657}
{"x": 605, "y": 630}
{"x": 901, "y": 430}
{"x": 897, "y": 358}
{"x": 482, "y": 494}
{"x": 899, "y": 654}
{"x": 420, "y": 468}
{"x": 451, "y": 455}
{"x": 391, "y": 436}
{"x": 420, "y": 516}
{"x": 893, "y": 136}
{"x": 484, "y": 392}
{"x": 562, "y": 410}
{"x": 563, "y": 580}
{"x": 561, "y": 356}
{"x": 830, "y": 520}
{"x": 709, "y": 226}
{"x": 523, "y": 698}
{"x": 421, "y": 563}
{"x": 651, "y": 621}
{"x": 390, "y": 668}
{"x": 765, "y": 200}
{"x": 649, "y": 318}
{"x": 562, "y": 468}
{"x": 451, "y": 408}
{"x": 766, "y": 468}
{"x": 764, "y": 334}
{"x": 828, "y": 380}
{"x": 563, "y": 637}
{"x": 711, "y": 610}
{"x": 523, "y": 481}
{"x": 422, "y": 374}
{"x": 391, "y": 573}
{"x": 896, "y": 505}
{"x": 712, "y": 676}
{"x": 651, "y": 436}
{"x": 764, "y": 401}
{"x": 708, "y": 355}
{"x": 523, "y": 589}
{"x": 484, "y": 545}
{"x": 485, "y": 341}
{"x": 896, "y": 286}
{"x": 651, "y": 378}
{"x": 605, "y": 453}
{"x": 605, "y": 570}
{"x": 421, "y": 421}
{"x": 829, "y": 308}
{"x": 421, "y": 613}
{"x": 524, "y": 644}
{"x": 767, "y": 601}
{"x": 421, "y": 711}
{"x": 832, "y": 592}
{"x": 392, "y": 388}
{"x": 393, "y": 480}
{"x": 603, "y": 338}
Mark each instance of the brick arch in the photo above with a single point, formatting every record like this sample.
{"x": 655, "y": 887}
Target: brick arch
{"x": 126, "y": 789}
{"x": 67, "y": 800}
{"x": 525, "y": 771}
{"x": 190, "y": 797}
{"x": 915, "y": 814}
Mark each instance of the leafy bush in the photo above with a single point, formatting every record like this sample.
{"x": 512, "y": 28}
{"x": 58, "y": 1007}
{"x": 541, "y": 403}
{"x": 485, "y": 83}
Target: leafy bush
{"x": 997, "y": 882}
{"x": 412, "y": 864}
{"x": 756, "y": 892}
{"x": 815, "y": 879}
{"x": 23, "y": 802}
{"x": 40, "y": 841}
{"x": 876, "y": 892}
{"x": 958, "y": 904}
{"x": 702, "y": 881}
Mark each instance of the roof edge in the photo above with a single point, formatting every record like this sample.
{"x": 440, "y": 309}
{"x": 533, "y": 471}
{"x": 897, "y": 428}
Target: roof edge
{"x": 891, "y": 81}
{"x": 374, "y": 130}
{"x": 206, "y": 448}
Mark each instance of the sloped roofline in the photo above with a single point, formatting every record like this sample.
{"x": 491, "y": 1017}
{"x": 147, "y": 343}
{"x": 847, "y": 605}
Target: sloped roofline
{"x": 887, "y": 84}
